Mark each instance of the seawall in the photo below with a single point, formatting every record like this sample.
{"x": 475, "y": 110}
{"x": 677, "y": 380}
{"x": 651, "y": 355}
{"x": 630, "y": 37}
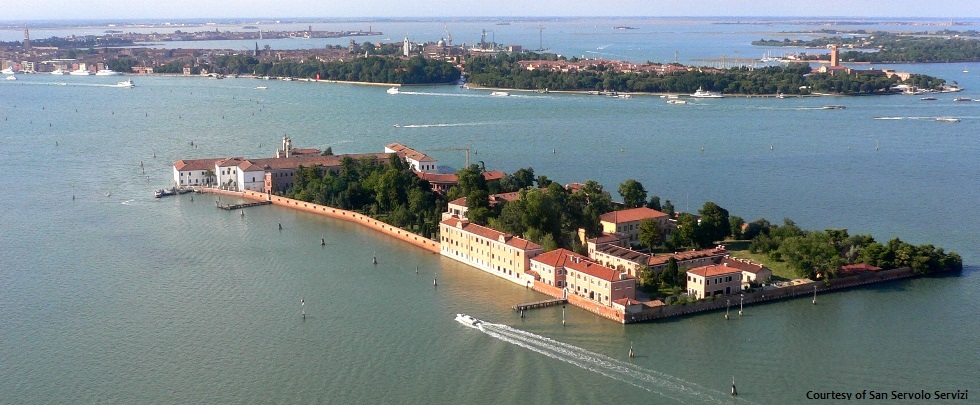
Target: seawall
{"x": 772, "y": 294}
{"x": 349, "y": 216}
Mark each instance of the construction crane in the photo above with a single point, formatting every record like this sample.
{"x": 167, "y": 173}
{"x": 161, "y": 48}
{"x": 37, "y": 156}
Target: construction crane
{"x": 467, "y": 149}
{"x": 449, "y": 35}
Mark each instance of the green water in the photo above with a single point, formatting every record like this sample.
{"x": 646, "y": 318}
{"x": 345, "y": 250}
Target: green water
{"x": 124, "y": 298}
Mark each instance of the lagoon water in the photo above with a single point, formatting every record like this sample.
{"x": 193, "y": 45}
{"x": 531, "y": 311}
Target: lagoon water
{"x": 114, "y": 296}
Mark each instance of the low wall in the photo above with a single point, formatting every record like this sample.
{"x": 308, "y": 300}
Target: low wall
{"x": 350, "y": 216}
{"x": 586, "y": 304}
{"x": 667, "y": 311}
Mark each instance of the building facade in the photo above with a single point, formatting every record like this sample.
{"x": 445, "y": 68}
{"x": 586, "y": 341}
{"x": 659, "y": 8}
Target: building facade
{"x": 709, "y": 281}
{"x": 627, "y": 222}
{"x": 495, "y": 252}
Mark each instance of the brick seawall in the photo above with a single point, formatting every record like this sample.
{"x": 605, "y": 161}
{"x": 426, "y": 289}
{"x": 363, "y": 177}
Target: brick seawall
{"x": 349, "y": 216}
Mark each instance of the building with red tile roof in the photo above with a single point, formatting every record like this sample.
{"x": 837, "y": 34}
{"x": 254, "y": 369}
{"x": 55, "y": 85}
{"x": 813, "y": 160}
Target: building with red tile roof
{"x": 627, "y": 222}
{"x": 419, "y": 161}
{"x": 495, "y": 252}
{"x": 716, "y": 279}
{"x": 576, "y": 274}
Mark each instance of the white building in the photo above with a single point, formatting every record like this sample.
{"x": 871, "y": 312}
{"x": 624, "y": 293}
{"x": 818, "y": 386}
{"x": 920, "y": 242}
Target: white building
{"x": 194, "y": 172}
{"x": 419, "y": 161}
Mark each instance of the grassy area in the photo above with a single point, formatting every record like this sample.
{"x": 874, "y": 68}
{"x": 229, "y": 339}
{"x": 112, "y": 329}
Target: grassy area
{"x": 780, "y": 270}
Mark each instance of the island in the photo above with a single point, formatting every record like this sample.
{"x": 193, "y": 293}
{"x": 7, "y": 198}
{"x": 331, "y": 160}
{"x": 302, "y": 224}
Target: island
{"x": 890, "y": 47}
{"x": 630, "y": 261}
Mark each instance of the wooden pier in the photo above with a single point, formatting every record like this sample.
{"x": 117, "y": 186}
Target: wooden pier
{"x": 540, "y": 304}
{"x": 230, "y": 207}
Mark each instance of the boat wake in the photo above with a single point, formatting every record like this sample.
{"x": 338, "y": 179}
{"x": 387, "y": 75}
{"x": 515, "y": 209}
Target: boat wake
{"x": 461, "y": 124}
{"x": 649, "y": 380}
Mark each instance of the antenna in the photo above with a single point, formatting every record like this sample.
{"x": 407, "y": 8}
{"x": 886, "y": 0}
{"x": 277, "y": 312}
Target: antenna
{"x": 449, "y": 35}
{"x": 540, "y": 38}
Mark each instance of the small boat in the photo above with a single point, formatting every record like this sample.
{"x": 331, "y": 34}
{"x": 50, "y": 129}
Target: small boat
{"x": 624, "y": 27}
{"x": 107, "y": 72}
{"x": 947, "y": 119}
{"x": 832, "y": 107}
{"x": 887, "y": 118}
{"x": 8, "y": 71}
{"x": 261, "y": 87}
{"x": 674, "y": 101}
{"x": 63, "y": 84}
{"x": 780, "y": 95}
{"x": 701, "y": 93}
{"x": 500, "y": 94}
{"x": 545, "y": 91}
{"x": 128, "y": 83}
{"x": 79, "y": 72}
{"x": 393, "y": 90}
{"x": 962, "y": 99}
{"x": 287, "y": 79}
{"x": 469, "y": 320}
{"x": 928, "y": 98}
{"x": 624, "y": 96}
{"x": 11, "y": 77}
{"x": 59, "y": 72}
{"x": 163, "y": 192}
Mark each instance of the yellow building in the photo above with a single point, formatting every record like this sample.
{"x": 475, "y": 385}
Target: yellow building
{"x": 489, "y": 250}
{"x": 716, "y": 279}
{"x": 627, "y": 222}
{"x": 596, "y": 282}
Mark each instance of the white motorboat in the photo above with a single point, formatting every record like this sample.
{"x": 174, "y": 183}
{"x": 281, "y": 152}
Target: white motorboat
{"x": 11, "y": 77}
{"x": 701, "y": 93}
{"x": 393, "y": 90}
{"x": 59, "y": 72}
{"x": 832, "y": 107}
{"x": 676, "y": 102}
{"x": 500, "y": 94}
{"x": 79, "y": 72}
{"x": 469, "y": 321}
{"x": 126, "y": 83}
{"x": 8, "y": 71}
{"x": 107, "y": 72}
{"x": 261, "y": 87}
{"x": 947, "y": 119}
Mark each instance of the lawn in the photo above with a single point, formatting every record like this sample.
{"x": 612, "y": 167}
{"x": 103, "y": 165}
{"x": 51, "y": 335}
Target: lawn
{"x": 780, "y": 270}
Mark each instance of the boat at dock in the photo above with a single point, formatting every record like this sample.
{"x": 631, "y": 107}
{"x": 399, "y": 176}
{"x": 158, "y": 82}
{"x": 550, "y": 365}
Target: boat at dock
{"x": 59, "y": 72}
{"x": 469, "y": 321}
{"x": 393, "y": 90}
{"x": 163, "y": 192}
{"x": 107, "y": 72}
{"x": 500, "y": 94}
{"x": 79, "y": 72}
{"x": 701, "y": 93}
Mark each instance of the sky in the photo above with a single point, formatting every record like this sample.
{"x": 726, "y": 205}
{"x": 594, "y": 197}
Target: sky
{"x": 14, "y": 10}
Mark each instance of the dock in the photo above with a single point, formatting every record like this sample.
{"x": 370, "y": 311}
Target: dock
{"x": 230, "y": 207}
{"x": 540, "y": 304}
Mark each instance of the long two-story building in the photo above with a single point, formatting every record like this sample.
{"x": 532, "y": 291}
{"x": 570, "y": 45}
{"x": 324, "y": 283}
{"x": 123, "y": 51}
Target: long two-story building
{"x": 492, "y": 251}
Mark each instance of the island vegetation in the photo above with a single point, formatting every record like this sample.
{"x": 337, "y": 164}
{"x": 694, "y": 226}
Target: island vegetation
{"x": 889, "y": 47}
{"x": 504, "y": 71}
{"x": 551, "y": 215}
{"x": 373, "y": 69}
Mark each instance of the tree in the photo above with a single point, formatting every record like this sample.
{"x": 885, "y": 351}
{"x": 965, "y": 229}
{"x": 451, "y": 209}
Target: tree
{"x": 633, "y": 193}
{"x": 647, "y": 279}
{"x": 714, "y": 224}
{"x": 655, "y": 203}
{"x": 651, "y": 234}
{"x": 328, "y": 152}
{"x": 478, "y": 207}
{"x": 735, "y": 224}
{"x": 687, "y": 233}
{"x": 669, "y": 209}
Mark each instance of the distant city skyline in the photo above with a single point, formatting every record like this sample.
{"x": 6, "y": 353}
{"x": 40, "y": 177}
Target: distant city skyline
{"x": 186, "y": 9}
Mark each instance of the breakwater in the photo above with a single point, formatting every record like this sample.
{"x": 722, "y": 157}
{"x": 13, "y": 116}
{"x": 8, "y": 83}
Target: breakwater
{"x": 350, "y": 216}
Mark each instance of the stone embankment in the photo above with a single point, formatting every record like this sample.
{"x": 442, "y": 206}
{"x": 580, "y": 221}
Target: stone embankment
{"x": 350, "y": 216}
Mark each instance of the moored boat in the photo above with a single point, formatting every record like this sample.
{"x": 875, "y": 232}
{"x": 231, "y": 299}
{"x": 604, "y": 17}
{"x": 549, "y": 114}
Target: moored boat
{"x": 59, "y": 72}
{"x": 107, "y": 72}
{"x": 163, "y": 192}
{"x": 701, "y": 93}
{"x": 79, "y": 72}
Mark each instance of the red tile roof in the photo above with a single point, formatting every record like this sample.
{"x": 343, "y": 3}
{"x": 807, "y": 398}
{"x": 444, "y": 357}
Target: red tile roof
{"x": 410, "y": 153}
{"x": 195, "y": 164}
{"x": 596, "y": 270}
{"x": 686, "y": 255}
{"x": 556, "y": 258}
{"x": 741, "y": 264}
{"x": 858, "y": 268}
{"x": 632, "y": 214}
{"x": 713, "y": 270}
{"x": 491, "y": 234}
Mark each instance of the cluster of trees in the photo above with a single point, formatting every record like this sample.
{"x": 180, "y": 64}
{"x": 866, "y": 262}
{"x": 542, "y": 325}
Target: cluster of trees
{"x": 822, "y": 253}
{"x": 416, "y": 70}
{"x": 389, "y": 191}
{"x": 504, "y": 71}
{"x": 895, "y": 48}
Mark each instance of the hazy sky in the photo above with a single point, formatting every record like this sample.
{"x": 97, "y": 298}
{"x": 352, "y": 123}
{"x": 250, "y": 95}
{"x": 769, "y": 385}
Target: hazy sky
{"x": 123, "y": 9}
